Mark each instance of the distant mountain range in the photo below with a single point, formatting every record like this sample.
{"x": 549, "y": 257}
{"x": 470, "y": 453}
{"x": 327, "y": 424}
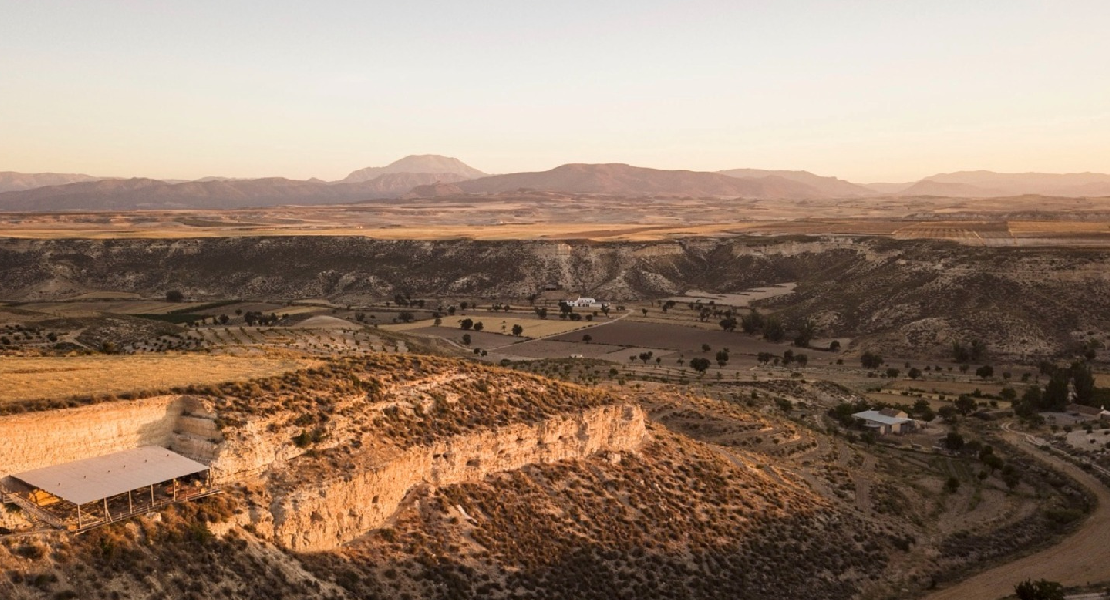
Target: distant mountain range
{"x": 11, "y": 181}
{"x": 988, "y": 184}
{"x": 137, "y": 194}
{"x": 433, "y": 176}
{"x": 625, "y": 180}
{"x": 831, "y": 187}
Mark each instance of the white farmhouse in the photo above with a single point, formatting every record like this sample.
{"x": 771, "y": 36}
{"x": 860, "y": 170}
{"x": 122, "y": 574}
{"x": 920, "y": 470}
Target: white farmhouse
{"x": 886, "y": 421}
{"x": 583, "y": 302}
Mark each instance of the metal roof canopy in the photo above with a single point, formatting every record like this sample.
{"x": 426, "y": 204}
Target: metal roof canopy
{"x": 878, "y": 417}
{"x": 89, "y": 479}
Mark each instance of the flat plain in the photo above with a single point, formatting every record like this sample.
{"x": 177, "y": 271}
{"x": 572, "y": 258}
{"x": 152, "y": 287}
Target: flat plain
{"x": 50, "y": 377}
{"x": 1006, "y": 221}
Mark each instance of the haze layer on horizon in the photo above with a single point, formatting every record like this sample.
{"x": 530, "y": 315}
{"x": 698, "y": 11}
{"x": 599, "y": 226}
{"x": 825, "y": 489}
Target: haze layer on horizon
{"x": 865, "y": 90}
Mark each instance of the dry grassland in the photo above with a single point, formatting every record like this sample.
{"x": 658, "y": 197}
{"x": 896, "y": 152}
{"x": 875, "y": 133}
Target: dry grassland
{"x": 447, "y": 226}
{"x": 538, "y": 328}
{"x": 119, "y": 307}
{"x": 407, "y": 326}
{"x": 61, "y": 377}
{"x": 509, "y": 231}
{"x": 533, "y": 328}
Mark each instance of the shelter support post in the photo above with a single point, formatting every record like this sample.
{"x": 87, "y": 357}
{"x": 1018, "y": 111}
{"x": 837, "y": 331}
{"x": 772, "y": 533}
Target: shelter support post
{"x": 130, "y": 506}
{"x": 175, "y": 489}
{"x": 107, "y": 515}
{"x": 152, "y": 495}
{"x": 79, "y": 516}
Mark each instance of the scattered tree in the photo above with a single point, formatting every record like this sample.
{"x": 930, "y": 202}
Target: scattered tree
{"x": 871, "y": 360}
{"x": 699, "y": 364}
{"x": 722, "y": 358}
{"x": 965, "y": 404}
{"x": 1040, "y": 589}
{"x": 773, "y": 331}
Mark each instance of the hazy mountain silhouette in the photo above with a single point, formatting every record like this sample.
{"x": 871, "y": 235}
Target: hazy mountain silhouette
{"x": 139, "y": 193}
{"x": 12, "y": 181}
{"x": 625, "y": 180}
{"x": 990, "y": 183}
{"x": 423, "y": 163}
{"x": 832, "y": 187}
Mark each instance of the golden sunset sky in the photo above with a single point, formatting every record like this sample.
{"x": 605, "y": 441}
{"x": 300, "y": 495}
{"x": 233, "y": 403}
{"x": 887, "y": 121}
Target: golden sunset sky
{"x": 866, "y": 90}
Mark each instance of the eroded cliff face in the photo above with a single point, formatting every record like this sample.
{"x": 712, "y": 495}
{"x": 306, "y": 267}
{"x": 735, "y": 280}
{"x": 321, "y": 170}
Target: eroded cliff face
{"x": 39, "y": 439}
{"x": 911, "y": 296}
{"x": 320, "y": 515}
{"x": 353, "y": 268}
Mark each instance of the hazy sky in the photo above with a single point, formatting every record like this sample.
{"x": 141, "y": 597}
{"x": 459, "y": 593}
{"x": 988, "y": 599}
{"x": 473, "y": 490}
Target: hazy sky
{"x": 883, "y": 90}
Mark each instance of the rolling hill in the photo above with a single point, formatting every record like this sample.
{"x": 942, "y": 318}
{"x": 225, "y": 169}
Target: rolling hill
{"x": 831, "y": 186}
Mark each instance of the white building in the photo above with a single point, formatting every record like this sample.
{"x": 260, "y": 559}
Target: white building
{"x": 886, "y": 421}
{"x": 583, "y": 302}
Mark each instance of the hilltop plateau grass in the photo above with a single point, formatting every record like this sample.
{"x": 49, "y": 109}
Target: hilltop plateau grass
{"x": 33, "y": 378}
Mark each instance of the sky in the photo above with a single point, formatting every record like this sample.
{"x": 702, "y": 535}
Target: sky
{"x": 870, "y": 91}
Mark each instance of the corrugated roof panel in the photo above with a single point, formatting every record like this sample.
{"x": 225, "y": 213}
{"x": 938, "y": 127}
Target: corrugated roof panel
{"x": 878, "y": 417}
{"x": 86, "y": 480}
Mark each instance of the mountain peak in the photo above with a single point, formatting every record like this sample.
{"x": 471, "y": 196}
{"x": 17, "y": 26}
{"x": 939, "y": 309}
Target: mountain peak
{"x": 417, "y": 163}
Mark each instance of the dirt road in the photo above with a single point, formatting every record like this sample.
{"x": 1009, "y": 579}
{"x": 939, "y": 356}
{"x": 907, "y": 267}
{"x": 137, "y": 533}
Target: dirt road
{"x": 1081, "y": 558}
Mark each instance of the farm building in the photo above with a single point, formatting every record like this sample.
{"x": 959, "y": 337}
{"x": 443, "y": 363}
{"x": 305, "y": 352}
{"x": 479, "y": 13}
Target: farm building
{"x": 87, "y": 493}
{"x": 583, "y": 302}
{"x": 1084, "y": 412}
{"x": 886, "y": 421}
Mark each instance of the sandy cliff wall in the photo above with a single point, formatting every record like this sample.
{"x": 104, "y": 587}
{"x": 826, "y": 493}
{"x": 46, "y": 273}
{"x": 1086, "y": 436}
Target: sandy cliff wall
{"x": 40, "y": 439}
{"x": 320, "y": 515}
{"x": 253, "y": 448}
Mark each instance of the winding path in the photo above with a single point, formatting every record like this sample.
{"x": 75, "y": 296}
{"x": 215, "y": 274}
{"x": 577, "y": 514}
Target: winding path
{"x": 1080, "y": 558}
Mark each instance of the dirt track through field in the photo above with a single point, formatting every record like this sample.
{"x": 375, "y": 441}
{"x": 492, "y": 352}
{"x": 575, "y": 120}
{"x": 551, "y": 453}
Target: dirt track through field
{"x": 1081, "y": 558}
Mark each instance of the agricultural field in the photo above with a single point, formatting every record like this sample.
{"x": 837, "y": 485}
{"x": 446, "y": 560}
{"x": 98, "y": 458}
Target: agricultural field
{"x": 535, "y": 327}
{"x": 32, "y": 378}
{"x": 517, "y": 216}
{"x": 120, "y": 307}
{"x": 478, "y": 339}
{"x": 539, "y": 349}
{"x": 735, "y": 299}
{"x": 686, "y": 340}
{"x": 968, "y": 232}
